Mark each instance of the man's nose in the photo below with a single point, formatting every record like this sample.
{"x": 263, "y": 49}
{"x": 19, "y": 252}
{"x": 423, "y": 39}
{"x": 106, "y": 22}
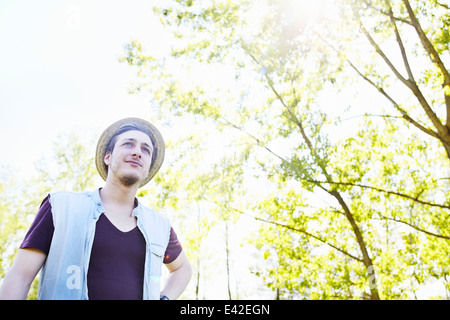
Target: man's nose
{"x": 137, "y": 153}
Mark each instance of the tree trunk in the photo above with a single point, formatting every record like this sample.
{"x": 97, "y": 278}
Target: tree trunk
{"x": 228, "y": 260}
{"x": 371, "y": 277}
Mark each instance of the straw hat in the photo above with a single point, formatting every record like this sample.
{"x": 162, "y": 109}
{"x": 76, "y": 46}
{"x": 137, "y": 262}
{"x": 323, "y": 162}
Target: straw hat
{"x": 105, "y": 138}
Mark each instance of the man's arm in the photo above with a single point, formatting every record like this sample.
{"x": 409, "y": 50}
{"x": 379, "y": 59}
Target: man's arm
{"x": 180, "y": 273}
{"x": 16, "y": 284}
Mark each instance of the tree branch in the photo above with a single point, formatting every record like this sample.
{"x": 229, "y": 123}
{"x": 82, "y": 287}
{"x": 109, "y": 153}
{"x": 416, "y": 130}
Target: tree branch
{"x": 443, "y": 5}
{"x": 370, "y": 5}
{"x": 367, "y": 115}
{"x": 293, "y": 117}
{"x": 367, "y": 260}
{"x": 400, "y": 42}
{"x": 258, "y": 141}
{"x": 302, "y": 232}
{"x": 415, "y": 199}
{"x": 417, "y": 228}
{"x": 435, "y": 58}
{"x": 380, "y": 89}
{"x": 410, "y": 83}
{"x": 434, "y": 55}
{"x": 404, "y": 114}
{"x": 381, "y": 53}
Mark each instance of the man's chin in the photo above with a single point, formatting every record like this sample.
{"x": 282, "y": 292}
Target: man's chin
{"x": 130, "y": 180}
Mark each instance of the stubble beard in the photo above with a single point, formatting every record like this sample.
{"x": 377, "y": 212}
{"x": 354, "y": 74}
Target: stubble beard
{"x": 127, "y": 179}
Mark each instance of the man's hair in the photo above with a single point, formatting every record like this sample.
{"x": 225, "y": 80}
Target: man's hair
{"x": 129, "y": 127}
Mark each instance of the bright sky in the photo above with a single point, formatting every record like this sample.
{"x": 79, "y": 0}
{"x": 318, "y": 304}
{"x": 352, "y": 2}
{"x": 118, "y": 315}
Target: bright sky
{"x": 59, "y": 70}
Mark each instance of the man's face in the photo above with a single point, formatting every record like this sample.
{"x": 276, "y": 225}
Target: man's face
{"x": 131, "y": 158}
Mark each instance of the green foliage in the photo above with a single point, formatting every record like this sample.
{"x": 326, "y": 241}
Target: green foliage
{"x": 12, "y": 218}
{"x": 337, "y": 211}
{"x": 71, "y": 167}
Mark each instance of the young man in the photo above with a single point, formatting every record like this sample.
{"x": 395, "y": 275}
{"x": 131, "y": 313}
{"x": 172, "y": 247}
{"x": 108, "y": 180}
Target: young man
{"x": 104, "y": 244}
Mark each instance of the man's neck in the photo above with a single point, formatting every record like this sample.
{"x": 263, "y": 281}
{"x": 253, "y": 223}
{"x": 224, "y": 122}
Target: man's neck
{"x": 118, "y": 194}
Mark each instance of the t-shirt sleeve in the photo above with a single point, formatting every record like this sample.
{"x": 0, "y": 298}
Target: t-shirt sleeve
{"x": 173, "y": 248}
{"x": 40, "y": 234}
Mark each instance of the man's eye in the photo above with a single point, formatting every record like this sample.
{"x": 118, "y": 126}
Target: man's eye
{"x": 146, "y": 150}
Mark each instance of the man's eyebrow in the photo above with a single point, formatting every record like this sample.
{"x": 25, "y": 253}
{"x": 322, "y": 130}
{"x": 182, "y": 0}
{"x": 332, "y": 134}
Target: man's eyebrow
{"x": 135, "y": 141}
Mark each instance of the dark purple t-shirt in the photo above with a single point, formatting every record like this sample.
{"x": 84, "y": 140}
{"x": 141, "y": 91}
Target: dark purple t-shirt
{"x": 116, "y": 267}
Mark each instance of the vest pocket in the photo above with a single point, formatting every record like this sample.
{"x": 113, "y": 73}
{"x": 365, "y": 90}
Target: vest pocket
{"x": 157, "y": 250}
{"x": 156, "y": 259}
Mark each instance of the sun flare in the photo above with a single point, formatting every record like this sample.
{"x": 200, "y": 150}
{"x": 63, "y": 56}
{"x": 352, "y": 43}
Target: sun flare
{"x": 305, "y": 12}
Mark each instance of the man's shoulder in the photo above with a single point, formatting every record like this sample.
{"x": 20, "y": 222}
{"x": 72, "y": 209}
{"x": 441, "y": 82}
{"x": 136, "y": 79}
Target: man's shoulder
{"x": 153, "y": 211}
{"x": 148, "y": 212}
{"x": 71, "y": 194}
{"x": 70, "y": 198}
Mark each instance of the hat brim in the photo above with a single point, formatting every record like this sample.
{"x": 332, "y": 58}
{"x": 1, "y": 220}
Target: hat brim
{"x": 105, "y": 138}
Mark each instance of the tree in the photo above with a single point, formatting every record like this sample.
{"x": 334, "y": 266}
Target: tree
{"x": 415, "y": 62}
{"x": 12, "y": 216}
{"x": 71, "y": 167}
{"x": 268, "y": 113}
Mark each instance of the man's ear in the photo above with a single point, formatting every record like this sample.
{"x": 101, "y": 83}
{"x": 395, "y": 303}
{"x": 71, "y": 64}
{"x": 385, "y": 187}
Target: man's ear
{"x": 107, "y": 158}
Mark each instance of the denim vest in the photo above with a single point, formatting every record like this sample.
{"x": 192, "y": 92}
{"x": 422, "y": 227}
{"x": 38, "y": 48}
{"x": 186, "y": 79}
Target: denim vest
{"x": 64, "y": 273}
